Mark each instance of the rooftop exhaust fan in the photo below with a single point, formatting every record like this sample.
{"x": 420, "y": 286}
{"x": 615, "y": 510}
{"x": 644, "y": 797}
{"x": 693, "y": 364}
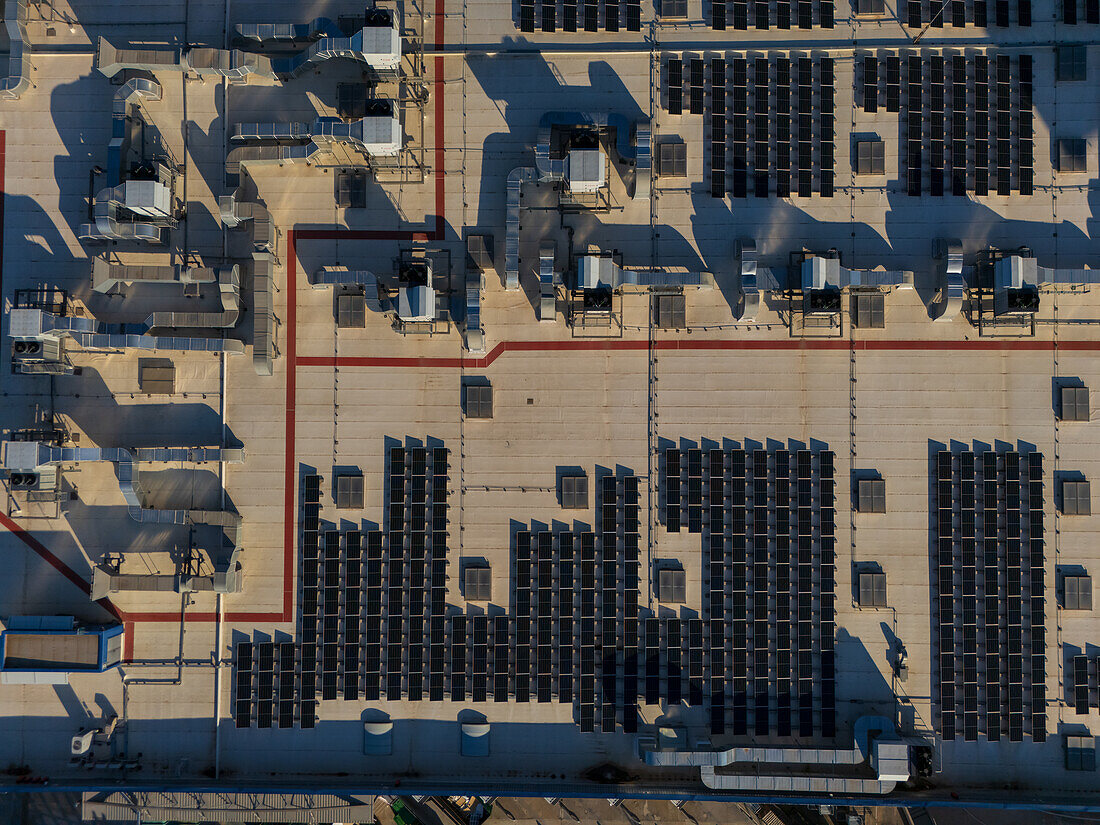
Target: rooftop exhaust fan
{"x": 824, "y": 301}
{"x": 378, "y": 19}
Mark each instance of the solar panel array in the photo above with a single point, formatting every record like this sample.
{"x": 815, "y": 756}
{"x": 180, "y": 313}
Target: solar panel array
{"x": 763, "y": 131}
{"x": 1083, "y": 672}
{"x": 967, "y": 119}
{"x": 767, "y": 520}
{"x": 575, "y": 614}
{"x": 583, "y": 15}
{"x": 1071, "y": 16}
{"x": 266, "y": 686}
{"x": 989, "y": 634}
{"x": 371, "y": 619}
{"x": 762, "y": 14}
{"x": 374, "y": 623}
{"x": 960, "y": 13}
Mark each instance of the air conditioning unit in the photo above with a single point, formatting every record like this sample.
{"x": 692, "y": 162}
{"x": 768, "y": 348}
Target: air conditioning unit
{"x": 23, "y": 481}
{"x": 24, "y": 349}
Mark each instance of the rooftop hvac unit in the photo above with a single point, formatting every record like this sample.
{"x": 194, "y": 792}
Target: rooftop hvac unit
{"x": 25, "y": 348}
{"x": 823, "y": 302}
{"x": 415, "y": 272}
{"x": 82, "y": 743}
{"x": 148, "y": 198}
{"x": 1015, "y": 286}
{"x": 23, "y": 481}
{"x": 377, "y": 19}
{"x": 586, "y": 170}
{"x": 597, "y": 300}
{"x": 416, "y": 303}
{"x": 1023, "y": 301}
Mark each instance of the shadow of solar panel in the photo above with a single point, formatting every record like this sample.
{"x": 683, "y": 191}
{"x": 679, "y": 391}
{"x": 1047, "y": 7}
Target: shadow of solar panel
{"x": 264, "y": 713}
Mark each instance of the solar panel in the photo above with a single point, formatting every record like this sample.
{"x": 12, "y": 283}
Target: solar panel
{"x": 311, "y": 488}
{"x": 591, "y": 15}
{"x": 718, "y": 15}
{"x": 1081, "y": 685}
{"x": 696, "y": 86}
{"x": 569, "y": 15}
{"x": 783, "y": 14}
{"x": 805, "y": 14}
{"x": 675, "y": 86}
{"x": 870, "y": 83}
{"x": 740, "y": 9}
{"x": 549, "y": 22}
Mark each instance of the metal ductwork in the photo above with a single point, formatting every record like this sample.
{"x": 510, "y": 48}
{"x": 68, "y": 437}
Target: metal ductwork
{"x": 111, "y": 218}
{"x": 130, "y": 95}
{"x": 107, "y": 276}
{"x": 633, "y": 142}
{"x": 475, "y": 335}
{"x": 1018, "y": 271}
{"x": 30, "y": 456}
{"x": 377, "y": 135}
{"x": 818, "y": 272}
{"x": 378, "y": 47}
{"x": 120, "y": 206}
{"x": 874, "y": 765}
{"x": 516, "y": 179}
{"x": 234, "y": 212}
{"x": 548, "y": 281}
{"x": 228, "y": 579}
{"x": 637, "y": 147}
{"x": 17, "y": 80}
{"x": 601, "y": 272}
{"x": 750, "y": 290}
{"x": 201, "y": 61}
{"x": 264, "y": 350}
{"x": 1017, "y": 279}
{"x": 947, "y": 303}
{"x": 35, "y": 324}
{"x": 229, "y": 290}
{"x": 370, "y": 283}
{"x": 276, "y": 32}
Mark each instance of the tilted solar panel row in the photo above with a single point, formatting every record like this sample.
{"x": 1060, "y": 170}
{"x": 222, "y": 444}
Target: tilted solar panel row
{"x": 946, "y": 119}
{"x": 769, "y": 554}
{"x": 373, "y": 618}
{"x": 961, "y": 13}
{"x": 1071, "y": 9}
{"x": 989, "y": 617}
{"x": 748, "y": 104}
{"x": 611, "y": 12}
{"x": 737, "y": 14}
